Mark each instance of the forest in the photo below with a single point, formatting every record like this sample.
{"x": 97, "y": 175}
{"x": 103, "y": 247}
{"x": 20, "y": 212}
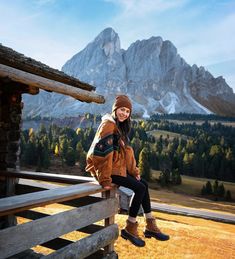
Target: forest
{"x": 206, "y": 150}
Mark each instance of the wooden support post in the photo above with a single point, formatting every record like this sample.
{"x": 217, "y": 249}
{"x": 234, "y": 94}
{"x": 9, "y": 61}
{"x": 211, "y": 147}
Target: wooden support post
{"x": 109, "y": 221}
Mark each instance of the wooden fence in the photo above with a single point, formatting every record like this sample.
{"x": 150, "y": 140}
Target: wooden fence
{"x": 46, "y": 230}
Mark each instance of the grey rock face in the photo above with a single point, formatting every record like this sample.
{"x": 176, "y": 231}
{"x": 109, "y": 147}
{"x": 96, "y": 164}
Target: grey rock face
{"x": 150, "y": 72}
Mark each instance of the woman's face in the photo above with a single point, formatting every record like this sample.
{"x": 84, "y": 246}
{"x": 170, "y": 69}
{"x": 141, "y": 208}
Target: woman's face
{"x": 122, "y": 114}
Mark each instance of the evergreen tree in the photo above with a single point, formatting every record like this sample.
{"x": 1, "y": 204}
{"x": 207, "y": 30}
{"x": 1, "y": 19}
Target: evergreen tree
{"x": 216, "y": 188}
{"x": 82, "y": 161}
{"x": 70, "y": 157}
{"x": 144, "y": 164}
{"x": 221, "y": 190}
{"x": 209, "y": 188}
{"x": 203, "y": 190}
{"x": 165, "y": 177}
{"x": 228, "y": 196}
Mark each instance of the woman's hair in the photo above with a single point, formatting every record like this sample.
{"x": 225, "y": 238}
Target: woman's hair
{"x": 124, "y": 127}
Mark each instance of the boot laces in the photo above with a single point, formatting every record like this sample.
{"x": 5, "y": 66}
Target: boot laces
{"x": 152, "y": 225}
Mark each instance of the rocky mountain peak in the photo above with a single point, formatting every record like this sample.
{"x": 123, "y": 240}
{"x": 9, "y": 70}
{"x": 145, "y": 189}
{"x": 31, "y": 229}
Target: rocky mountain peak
{"x": 108, "y": 41}
{"x": 151, "y": 72}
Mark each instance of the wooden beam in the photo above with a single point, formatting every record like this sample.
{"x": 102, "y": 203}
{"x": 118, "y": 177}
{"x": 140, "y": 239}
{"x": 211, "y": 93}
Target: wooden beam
{"x": 88, "y": 245}
{"x": 33, "y": 215}
{"x": 59, "y": 178}
{"x": 42, "y": 230}
{"x": 13, "y": 204}
{"x": 33, "y": 90}
{"x": 48, "y": 84}
{"x": 11, "y": 58}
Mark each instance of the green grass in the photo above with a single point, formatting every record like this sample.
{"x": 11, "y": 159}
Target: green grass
{"x": 193, "y": 185}
{"x": 165, "y": 133}
{"x": 200, "y": 122}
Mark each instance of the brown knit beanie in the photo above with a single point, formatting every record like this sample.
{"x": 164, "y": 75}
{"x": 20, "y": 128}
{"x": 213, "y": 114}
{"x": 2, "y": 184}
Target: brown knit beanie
{"x": 122, "y": 101}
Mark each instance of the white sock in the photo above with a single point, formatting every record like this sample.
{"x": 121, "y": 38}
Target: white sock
{"x": 131, "y": 219}
{"x": 148, "y": 215}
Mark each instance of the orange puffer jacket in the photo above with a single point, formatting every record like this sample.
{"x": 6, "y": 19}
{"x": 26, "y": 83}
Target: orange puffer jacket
{"x": 108, "y": 155}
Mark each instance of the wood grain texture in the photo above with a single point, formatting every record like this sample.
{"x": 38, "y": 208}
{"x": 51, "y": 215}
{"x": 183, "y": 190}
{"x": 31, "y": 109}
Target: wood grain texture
{"x": 51, "y": 227}
{"x": 17, "y": 60}
{"x": 22, "y": 202}
{"x": 33, "y": 80}
{"x": 88, "y": 245}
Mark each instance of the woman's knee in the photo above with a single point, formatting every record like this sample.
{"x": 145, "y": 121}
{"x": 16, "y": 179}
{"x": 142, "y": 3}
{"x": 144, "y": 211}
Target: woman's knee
{"x": 143, "y": 181}
{"x": 140, "y": 187}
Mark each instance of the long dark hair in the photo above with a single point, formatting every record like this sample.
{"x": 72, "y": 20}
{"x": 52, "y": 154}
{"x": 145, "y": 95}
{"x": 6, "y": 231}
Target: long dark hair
{"x": 124, "y": 127}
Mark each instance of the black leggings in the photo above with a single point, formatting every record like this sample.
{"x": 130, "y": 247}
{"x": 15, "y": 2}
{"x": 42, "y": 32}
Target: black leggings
{"x": 140, "y": 188}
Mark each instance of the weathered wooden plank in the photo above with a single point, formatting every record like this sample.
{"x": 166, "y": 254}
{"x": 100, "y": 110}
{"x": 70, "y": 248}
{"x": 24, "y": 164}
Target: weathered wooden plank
{"x": 14, "y": 59}
{"x": 109, "y": 221}
{"x": 33, "y": 215}
{"x": 88, "y": 245}
{"x": 28, "y": 186}
{"x": 48, "y": 228}
{"x": 22, "y": 202}
{"x": 59, "y": 178}
{"x": 20, "y": 76}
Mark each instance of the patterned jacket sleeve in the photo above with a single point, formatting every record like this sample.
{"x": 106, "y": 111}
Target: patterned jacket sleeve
{"x": 100, "y": 155}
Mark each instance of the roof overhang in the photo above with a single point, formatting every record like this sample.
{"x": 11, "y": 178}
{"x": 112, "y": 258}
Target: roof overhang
{"x": 35, "y": 81}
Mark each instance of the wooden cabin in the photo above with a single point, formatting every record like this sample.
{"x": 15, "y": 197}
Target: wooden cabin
{"x": 18, "y": 197}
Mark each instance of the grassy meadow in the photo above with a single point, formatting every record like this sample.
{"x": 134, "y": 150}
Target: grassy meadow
{"x": 188, "y": 194}
{"x": 165, "y": 133}
{"x": 189, "y": 238}
{"x": 200, "y": 122}
{"x": 193, "y": 185}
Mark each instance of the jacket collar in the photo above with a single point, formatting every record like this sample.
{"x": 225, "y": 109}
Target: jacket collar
{"x": 108, "y": 117}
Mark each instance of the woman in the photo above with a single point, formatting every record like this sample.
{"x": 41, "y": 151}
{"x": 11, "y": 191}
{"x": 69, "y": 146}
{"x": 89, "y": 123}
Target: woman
{"x": 111, "y": 161}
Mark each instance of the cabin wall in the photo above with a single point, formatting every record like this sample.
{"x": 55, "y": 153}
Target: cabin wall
{"x": 10, "y": 126}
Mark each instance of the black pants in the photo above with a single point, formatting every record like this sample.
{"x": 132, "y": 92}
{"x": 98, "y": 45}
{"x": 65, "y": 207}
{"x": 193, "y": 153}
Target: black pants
{"x": 140, "y": 188}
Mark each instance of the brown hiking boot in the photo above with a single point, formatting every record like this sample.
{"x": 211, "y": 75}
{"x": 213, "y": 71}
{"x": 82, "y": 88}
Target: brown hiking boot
{"x": 151, "y": 230}
{"x": 131, "y": 233}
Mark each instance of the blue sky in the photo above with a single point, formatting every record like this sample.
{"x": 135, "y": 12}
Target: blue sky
{"x": 52, "y": 31}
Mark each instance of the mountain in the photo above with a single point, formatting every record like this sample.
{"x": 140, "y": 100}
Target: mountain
{"x": 150, "y": 72}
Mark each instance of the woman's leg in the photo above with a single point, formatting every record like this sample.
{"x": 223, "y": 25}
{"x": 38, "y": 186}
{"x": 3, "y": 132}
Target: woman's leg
{"x": 146, "y": 199}
{"x": 130, "y": 232}
{"x": 139, "y": 189}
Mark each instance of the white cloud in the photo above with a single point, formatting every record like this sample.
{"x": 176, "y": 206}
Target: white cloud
{"x": 142, "y": 8}
{"x": 213, "y": 43}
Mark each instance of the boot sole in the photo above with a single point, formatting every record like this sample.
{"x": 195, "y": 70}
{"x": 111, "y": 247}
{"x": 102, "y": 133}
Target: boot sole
{"x": 135, "y": 241}
{"x": 160, "y": 236}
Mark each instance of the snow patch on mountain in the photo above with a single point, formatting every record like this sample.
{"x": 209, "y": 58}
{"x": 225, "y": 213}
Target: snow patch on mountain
{"x": 150, "y": 72}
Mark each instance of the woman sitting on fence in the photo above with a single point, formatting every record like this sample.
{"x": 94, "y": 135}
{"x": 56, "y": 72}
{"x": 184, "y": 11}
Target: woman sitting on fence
{"x": 111, "y": 161}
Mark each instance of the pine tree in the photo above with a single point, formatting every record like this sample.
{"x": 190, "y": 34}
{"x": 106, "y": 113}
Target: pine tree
{"x": 216, "y": 187}
{"x": 209, "y": 188}
{"x": 228, "y": 196}
{"x": 56, "y": 151}
{"x": 203, "y": 190}
{"x": 82, "y": 161}
{"x": 144, "y": 164}
{"x": 70, "y": 157}
{"x": 165, "y": 177}
{"x": 221, "y": 190}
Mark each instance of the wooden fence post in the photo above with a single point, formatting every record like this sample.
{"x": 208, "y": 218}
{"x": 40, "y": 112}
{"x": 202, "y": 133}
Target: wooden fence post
{"x": 109, "y": 221}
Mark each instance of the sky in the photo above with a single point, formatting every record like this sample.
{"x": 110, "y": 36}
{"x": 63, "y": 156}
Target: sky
{"x": 52, "y": 31}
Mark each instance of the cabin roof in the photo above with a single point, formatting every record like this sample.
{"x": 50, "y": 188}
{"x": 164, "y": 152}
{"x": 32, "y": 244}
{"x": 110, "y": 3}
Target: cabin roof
{"x": 13, "y": 64}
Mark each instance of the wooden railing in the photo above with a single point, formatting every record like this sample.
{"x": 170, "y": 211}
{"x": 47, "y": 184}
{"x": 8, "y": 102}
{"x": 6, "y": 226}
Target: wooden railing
{"x": 46, "y": 230}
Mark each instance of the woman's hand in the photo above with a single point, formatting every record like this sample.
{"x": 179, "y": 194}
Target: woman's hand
{"x": 109, "y": 187}
{"x": 138, "y": 177}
